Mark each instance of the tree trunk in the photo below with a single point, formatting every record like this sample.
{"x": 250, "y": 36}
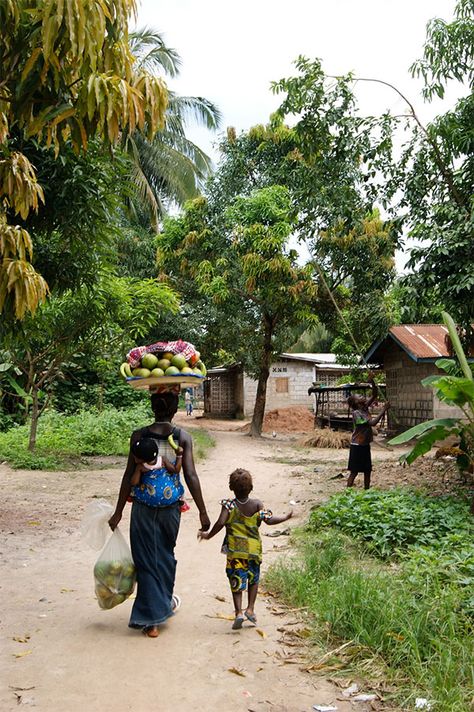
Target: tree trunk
{"x": 264, "y": 372}
{"x": 34, "y": 420}
{"x": 100, "y": 405}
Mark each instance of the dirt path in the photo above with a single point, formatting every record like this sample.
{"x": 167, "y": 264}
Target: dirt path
{"x": 77, "y": 657}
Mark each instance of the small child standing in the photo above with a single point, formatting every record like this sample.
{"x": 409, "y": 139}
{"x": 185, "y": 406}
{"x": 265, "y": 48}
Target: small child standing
{"x": 242, "y": 518}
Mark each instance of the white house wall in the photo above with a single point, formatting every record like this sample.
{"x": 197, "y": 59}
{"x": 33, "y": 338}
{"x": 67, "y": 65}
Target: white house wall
{"x": 300, "y": 375}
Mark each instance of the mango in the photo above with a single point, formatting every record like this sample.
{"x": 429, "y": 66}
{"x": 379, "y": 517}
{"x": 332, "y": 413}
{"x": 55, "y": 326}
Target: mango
{"x": 149, "y": 361}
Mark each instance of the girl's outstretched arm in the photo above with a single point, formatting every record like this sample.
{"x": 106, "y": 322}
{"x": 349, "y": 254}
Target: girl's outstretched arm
{"x": 223, "y": 517}
{"x": 278, "y": 520}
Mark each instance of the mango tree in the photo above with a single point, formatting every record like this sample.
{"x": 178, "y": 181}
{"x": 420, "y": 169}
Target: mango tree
{"x": 251, "y": 264}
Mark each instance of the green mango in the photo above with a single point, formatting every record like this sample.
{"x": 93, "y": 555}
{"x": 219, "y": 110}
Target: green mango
{"x": 149, "y": 361}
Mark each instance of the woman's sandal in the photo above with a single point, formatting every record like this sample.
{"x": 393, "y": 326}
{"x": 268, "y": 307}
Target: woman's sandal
{"x": 238, "y": 622}
{"x": 151, "y": 631}
{"x": 175, "y": 603}
{"x": 251, "y": 617}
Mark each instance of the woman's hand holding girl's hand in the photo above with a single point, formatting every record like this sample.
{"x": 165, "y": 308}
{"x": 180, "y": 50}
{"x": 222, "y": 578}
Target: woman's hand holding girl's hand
{"x": 203, "y": 535}
{"x": 205, "y": 521}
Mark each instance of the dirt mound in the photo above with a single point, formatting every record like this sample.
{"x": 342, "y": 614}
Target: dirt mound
{"x": 295, "y": 419}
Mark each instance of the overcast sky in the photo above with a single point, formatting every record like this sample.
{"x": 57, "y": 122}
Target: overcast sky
{"x": 232, "y": 51}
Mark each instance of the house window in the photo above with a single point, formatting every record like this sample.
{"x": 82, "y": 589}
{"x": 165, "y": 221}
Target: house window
{"x": 281, "y": 385}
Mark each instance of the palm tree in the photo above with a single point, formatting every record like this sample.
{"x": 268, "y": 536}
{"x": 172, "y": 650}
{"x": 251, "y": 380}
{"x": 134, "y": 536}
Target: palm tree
{"x": 170, "y": 168}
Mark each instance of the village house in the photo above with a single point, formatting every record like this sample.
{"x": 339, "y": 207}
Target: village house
{"x": 230, "y": 392}
{"x": 408, "y": 355}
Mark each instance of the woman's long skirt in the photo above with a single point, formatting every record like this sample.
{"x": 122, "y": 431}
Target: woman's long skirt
{"x": 153, "y": 534}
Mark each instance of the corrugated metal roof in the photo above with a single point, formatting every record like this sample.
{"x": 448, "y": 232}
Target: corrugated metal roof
{"x": 423, "y": 341}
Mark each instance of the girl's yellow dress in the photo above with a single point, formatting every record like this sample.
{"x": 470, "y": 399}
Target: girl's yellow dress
{"x": 243, "y": 545}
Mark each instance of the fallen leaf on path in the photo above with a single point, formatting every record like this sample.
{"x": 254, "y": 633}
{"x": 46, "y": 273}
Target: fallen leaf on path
{"x": 261, "y": 633}
{"x": 21, "y": 689}
{"x": 22, "y": 655}
{"x": 291, "y": 643}
{"x": 222, "y": 599}
{"x": 67, "y": 590}
{"x": 34, "y": 524}
{"x": 288, "y": 659}
{"x": 246, "y": 693}
{"x": 222, "y": 616}
{"x": 21, "y": 639}
{"x": 237, "y": 671}
{"x": 279, "y": 532}
{"x": 300, "y": 634}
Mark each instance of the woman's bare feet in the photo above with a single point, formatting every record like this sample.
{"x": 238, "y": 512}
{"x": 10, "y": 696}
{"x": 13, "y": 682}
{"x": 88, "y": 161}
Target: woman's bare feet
{"x": 152, "y": 631}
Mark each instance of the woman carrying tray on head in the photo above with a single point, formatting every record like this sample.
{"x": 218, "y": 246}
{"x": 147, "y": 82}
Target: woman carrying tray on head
{"x": 155, "y": 517}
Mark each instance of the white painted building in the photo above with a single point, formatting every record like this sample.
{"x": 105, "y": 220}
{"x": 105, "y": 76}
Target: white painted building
{"x": 229, "y": 392}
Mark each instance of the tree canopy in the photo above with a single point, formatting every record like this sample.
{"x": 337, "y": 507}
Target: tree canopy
{"x": 439, "y": 182}
{"x": 67, "y": 75}
{"x": 256, "y": 271}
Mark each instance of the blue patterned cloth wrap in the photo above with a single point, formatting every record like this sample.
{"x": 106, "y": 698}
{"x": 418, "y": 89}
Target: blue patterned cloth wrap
{"x": 159, "y": 488}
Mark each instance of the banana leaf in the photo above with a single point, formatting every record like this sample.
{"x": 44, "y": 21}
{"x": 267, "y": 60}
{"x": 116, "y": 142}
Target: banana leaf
{"x": 421, "y": 428}
{"x": 426, "y": 441}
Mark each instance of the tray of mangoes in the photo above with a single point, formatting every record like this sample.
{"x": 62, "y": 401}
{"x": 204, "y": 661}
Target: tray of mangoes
{"x": 114, "y": 582}
{"x": 176, "y": 362}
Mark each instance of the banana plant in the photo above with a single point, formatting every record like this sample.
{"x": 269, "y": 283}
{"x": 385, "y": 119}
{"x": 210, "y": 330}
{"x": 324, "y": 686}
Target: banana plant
{"x": 453, "y": 389}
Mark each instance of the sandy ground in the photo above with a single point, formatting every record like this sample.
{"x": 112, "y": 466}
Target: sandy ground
{"x": 60, "y": 652}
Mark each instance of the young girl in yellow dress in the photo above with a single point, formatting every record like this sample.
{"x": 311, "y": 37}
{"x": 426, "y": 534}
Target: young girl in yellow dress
{"x": 242, "y": 518}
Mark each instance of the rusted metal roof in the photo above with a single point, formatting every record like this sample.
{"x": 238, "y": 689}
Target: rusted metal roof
{"x": 423, "y": 341}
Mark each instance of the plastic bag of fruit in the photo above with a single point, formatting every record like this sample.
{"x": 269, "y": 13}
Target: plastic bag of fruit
{"x": 114, "y": 572}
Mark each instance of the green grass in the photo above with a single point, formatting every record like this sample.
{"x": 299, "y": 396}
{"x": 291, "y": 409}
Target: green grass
{"x": 413, "y": 615}
{"x": 63, "y": 440}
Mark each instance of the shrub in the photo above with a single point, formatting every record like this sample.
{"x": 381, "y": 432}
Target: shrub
{"x": 63, "y": 439}
{"x": 391, "y": 520}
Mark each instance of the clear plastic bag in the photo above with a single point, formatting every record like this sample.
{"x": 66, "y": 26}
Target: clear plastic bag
{"x": 114, "y": 571}
{"x": 95, "y": 523}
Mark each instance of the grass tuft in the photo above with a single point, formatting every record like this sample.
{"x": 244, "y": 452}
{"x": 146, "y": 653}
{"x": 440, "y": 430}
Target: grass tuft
{"x": 414, "y": 613}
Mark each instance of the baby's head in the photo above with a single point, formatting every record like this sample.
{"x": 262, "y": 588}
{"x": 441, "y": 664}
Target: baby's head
{"x": 145, "y": 450}
{"x": 240, "y": 482}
